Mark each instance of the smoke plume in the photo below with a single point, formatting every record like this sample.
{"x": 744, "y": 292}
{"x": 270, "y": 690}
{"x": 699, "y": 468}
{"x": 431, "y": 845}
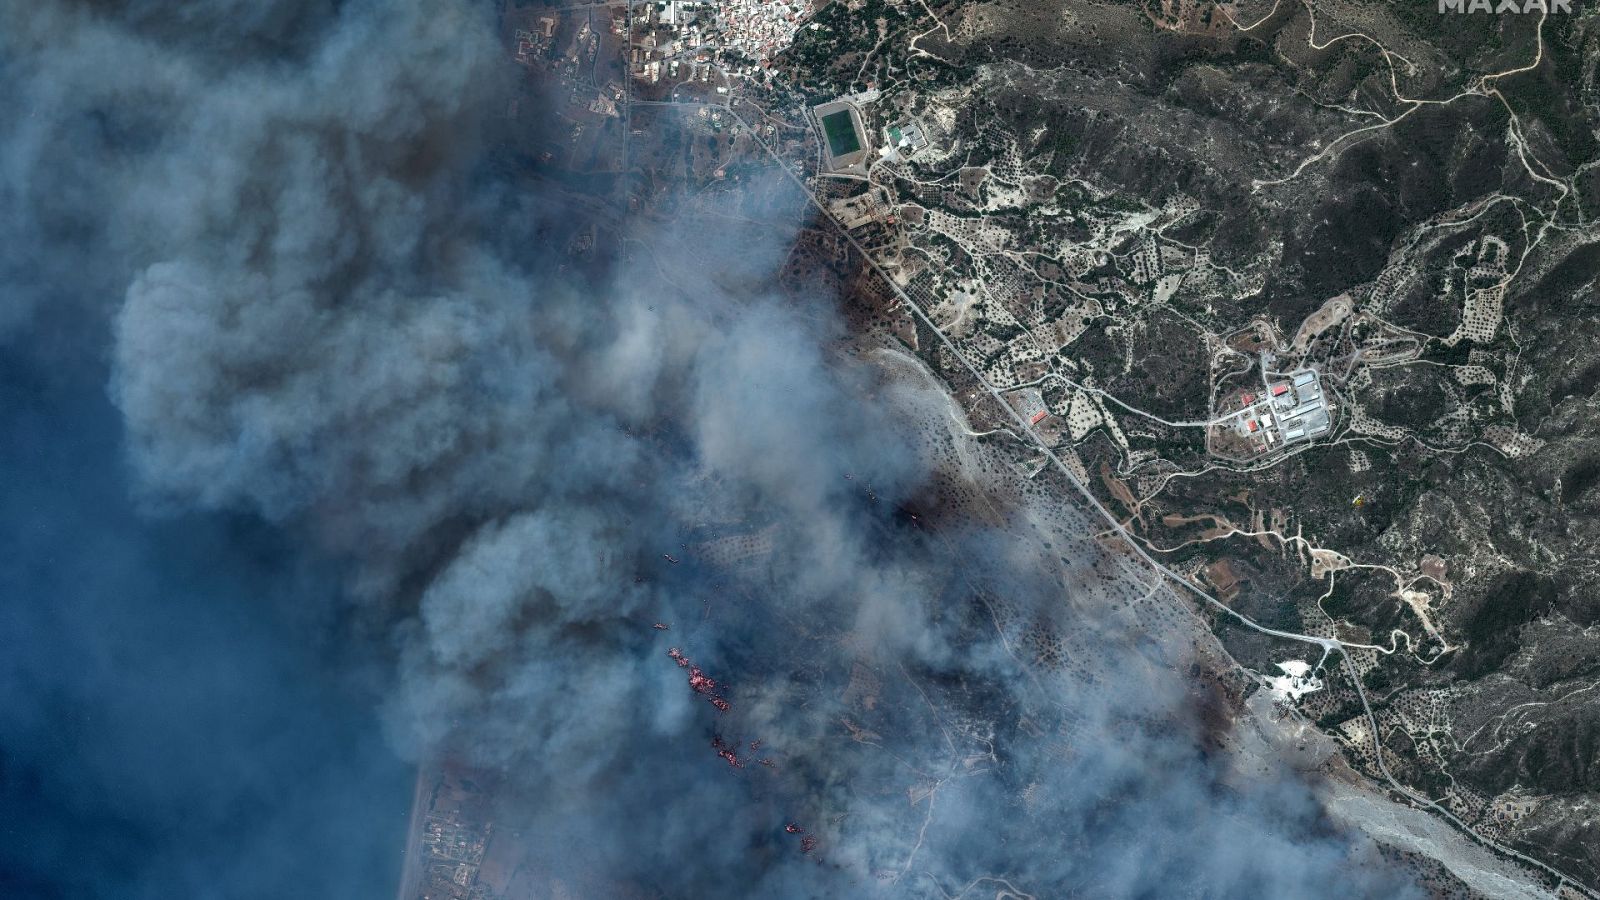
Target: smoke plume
{"x": 333, "y": 326}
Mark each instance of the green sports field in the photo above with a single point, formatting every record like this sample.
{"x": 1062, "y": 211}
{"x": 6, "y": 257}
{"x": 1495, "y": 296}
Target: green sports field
{"x": 841, "y": 133}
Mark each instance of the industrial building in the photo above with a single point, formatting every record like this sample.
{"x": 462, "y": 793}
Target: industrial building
{"x": 1291, "y": 409}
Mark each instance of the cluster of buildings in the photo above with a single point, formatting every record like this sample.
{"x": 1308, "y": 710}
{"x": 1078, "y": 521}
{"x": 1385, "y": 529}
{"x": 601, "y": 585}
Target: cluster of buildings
{"x": 1290, "y": 409}
{"x": 760, "y": 28}
{"x": 691, "y": 37}
{"x": 531, "y": 43}
{"x": 905, "y": 138}
{"x": 862, "y": 209}
{"x": 454, "y": 851}
{"x": 1300, "y": 407}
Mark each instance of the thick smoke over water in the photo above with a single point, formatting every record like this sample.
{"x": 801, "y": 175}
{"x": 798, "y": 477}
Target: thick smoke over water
{"x": 270, "y": 228}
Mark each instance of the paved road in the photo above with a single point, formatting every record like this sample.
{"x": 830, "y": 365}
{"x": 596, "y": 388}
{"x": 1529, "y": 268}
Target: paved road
{"x": 1022, "y": 423}
{"x": 1328, "y": 645}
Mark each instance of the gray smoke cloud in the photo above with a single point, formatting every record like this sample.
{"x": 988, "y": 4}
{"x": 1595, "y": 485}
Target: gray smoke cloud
{"x": 324, "y": 309}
